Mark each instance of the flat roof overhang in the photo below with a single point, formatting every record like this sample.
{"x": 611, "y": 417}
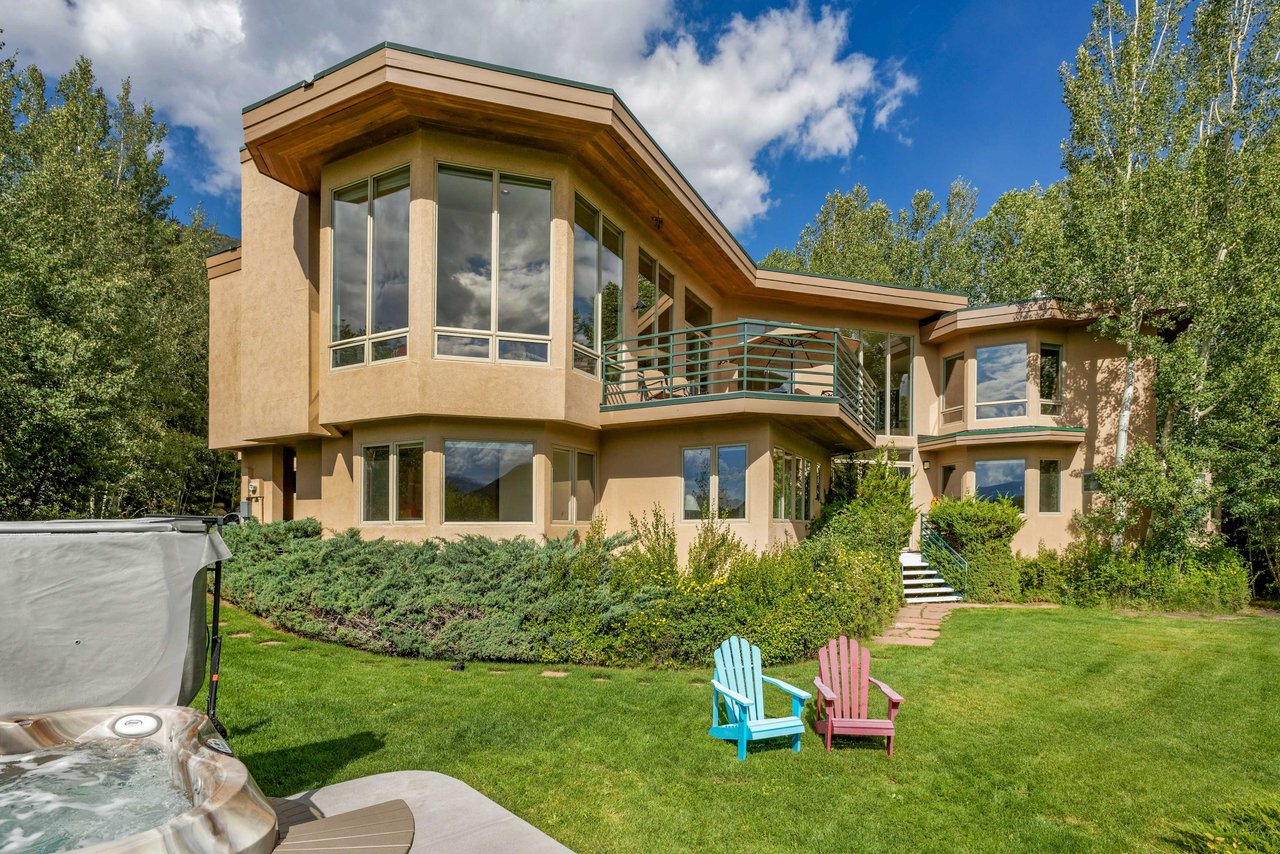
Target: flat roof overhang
{"x": 1002, "y": 436}
{"x": 821, "y": 420}
{"x": 391, "y": 90}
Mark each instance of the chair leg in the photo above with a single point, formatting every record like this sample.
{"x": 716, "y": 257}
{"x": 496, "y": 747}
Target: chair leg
{"x": 795, "y": 743}
{"x": 829, "y": 735}
{"x": 742, "y": 740}
{"x": 888, "y": 743}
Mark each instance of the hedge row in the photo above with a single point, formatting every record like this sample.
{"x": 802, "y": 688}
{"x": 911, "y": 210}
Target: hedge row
{"x": 611, "y": 600}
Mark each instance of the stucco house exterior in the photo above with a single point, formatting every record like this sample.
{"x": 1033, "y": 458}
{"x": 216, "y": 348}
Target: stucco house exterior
{"x": 471, "y": 299}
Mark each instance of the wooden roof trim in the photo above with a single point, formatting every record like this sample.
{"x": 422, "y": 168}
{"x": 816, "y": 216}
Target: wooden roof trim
{"x": 1037, "y": 312}
{"x": 222, "y": 263}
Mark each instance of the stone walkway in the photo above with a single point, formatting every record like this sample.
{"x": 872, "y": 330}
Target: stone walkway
{"x": 921, "y": 625}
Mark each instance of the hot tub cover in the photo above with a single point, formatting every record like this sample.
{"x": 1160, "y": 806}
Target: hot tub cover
{"x": 102, "y": 612}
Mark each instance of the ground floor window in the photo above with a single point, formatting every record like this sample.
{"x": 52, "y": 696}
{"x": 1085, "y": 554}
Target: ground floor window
{"x": 488, "y": 481}
{"x": 1050, "y": 486}
{"x": 1001, "y": 479}
{"x": 715, "y": 482}
{"x": 795, "y": 486}
{"x": 948, "y": 480}
{"x": 393, "y": 479}
{"x": 573, "y": 485}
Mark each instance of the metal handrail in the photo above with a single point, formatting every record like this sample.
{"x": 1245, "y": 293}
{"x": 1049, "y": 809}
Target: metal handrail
{"x": 938, "y": 553}
{"x": 756, "y": 357}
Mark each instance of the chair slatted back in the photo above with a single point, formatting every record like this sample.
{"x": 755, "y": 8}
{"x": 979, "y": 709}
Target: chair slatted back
{"x": 844, "y": 666}
{"x": 738, "y": 669}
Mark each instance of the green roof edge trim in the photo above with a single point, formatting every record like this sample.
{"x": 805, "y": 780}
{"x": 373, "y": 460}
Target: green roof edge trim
{"x": 866, "y": 282}
{"x": 989, "y": 431}
{"x": 229, "y": 248}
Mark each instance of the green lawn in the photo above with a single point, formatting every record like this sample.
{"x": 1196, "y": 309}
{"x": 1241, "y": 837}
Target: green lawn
{"x": 1023, "y": 730}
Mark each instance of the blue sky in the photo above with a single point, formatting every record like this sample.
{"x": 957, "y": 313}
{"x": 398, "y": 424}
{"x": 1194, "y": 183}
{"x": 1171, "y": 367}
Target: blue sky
{"x": 972, "y": 85}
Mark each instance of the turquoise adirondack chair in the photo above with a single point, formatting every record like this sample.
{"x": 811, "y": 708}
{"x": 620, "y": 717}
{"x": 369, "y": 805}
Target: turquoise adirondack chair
{"x": 738, "y": 679}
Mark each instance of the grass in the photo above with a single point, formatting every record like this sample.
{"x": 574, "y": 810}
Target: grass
{"x": 1065, "y": 730}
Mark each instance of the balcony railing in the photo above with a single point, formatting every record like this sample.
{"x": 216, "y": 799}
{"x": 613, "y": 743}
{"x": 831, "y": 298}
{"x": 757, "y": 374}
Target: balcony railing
{"x": 741, "y": 358}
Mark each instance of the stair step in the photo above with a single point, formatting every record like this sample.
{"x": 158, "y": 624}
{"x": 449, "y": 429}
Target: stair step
{"x": 947, "y": 598}
{"x": 928, "y": 591}
{"x": 912, "y": 559}
{"x": 921, "y": 582}
{"x": 921, "y": 571}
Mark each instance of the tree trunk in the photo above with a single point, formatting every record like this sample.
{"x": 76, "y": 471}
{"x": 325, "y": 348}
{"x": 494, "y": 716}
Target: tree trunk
{"x": 1122, "y": 435}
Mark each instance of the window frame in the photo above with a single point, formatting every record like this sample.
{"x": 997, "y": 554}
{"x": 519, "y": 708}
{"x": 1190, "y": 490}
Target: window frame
{"x": 369, "y": 339}
{"x": 884, "y": 385}
{"x": 444, "y": 480}
{"x": 494, "y": 336}
{"x": 1040, "y": 486}
{"x": 1050, "y": 406}
{"x": 393, "y": 482}
{"x": 1024, "y": 400}
{"x": 799, "y": 498}
{"x": 575, "y": 455}
{"x": 947, "y": 408}
{"x": 713, "y": 483}
{"x": 602, "y": 221}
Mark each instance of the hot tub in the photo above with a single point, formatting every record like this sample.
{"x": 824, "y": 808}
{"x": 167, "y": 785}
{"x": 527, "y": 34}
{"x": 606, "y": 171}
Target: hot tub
{"x": 210, "y": 801}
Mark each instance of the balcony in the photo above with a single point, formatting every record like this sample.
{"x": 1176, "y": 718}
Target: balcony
{"x": 807, "y": 377}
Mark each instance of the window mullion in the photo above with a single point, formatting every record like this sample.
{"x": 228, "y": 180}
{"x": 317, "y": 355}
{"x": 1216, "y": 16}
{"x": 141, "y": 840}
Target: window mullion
{"x": 368, "y": 273}
{"x": 495, "y": 180}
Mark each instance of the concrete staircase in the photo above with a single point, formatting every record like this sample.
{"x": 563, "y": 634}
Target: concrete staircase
{"x": 921, "y": 584}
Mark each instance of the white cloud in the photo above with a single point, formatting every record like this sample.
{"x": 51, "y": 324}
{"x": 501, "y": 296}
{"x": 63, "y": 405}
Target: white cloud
{"x": 783, "y": 80}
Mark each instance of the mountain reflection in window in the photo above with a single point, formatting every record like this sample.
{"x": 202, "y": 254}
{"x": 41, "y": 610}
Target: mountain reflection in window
{"x": 488, "y": 481}
{"x": 995, "y": 479}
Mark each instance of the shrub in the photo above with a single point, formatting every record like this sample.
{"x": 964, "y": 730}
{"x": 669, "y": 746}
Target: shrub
{"x": 606, "y": 600}
{"x": 969, "y": 522}
{"x": 993, "y": 573}
{"x": 1041, "y": 578}
{"x": 1213, "y": 578}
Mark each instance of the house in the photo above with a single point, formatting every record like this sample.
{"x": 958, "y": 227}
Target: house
{"x": 475, "y": 300}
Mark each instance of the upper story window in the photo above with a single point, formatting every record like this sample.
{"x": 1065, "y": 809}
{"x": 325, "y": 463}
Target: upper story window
{"x": 371, "y": 270}
{"x": 488, "y": 310}
{"x": 597, "y": 285}
{"x": 887, "y": 357}
{"x": 1002, "y": 381}
{"x": 953, "y": 388}
{"x": 1050, "y": 379}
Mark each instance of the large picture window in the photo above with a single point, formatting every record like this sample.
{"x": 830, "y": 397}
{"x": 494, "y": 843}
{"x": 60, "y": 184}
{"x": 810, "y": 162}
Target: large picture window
{"x": 370, "y": 270}
{"x": 715, "y": 482}
{"x": 493, "y": 266}
{"x": 597, "y": 285}
{"x": 1001, "y": 479}
{"x": 488, "y": 481}
{"x": 1002, "y": 381}
{"x": 795, "y": 486}
{"x": 393, "y": 482}
{"x": 573, "y": 485}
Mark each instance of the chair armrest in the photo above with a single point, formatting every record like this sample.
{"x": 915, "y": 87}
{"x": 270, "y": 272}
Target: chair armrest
{"x": 893, "y": 695}
{"x": 731, "y": 695}
{"x": 790, "y": 689}
{"x": 827, "y": 694}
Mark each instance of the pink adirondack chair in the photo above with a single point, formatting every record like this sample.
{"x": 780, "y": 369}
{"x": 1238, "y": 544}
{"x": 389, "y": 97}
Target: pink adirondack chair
{"x": 843, "y": 681}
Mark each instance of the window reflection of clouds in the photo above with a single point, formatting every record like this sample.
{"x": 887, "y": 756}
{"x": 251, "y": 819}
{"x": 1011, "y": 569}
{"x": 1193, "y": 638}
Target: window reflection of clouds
{"x": 697, "y": 483}
{"x": 350, "y": 257}
{"x": 464, "y": 254}
{"x": 586, "y": 259}
{"x": 997, "y": 478}
{"x": 731, "y": 489}
{"x": 488, "y": 481}
{"x": 524, "y": 247}
{"x": 1002, "y": 373}
{"x": 391, "y": 252}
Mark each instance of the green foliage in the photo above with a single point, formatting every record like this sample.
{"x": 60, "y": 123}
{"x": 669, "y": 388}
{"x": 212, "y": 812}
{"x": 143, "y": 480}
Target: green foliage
{"x": 103, "y": 344}
{"x": 868, "y": 504}
{"x": 606, "y": 600}
{"x": 994, "y": 573}
{"x": 1041, "y": 578}
{"x": 969, "y": 522}
{"x": 1210, "y": 579}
